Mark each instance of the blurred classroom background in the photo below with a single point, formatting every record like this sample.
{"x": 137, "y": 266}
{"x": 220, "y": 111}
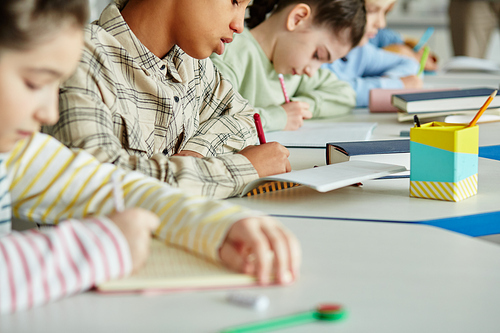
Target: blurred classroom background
{"x": 410, "y": 18}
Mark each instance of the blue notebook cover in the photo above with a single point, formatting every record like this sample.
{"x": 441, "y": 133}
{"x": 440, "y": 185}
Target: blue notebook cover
{"x": 354, "y": 148}
{"x": 460, "y": 93}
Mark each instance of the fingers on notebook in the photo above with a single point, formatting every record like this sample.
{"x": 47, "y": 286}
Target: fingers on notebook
{"x": 136, "y": 225}
{"x": 263, "y": 247}
{"x": 279, "y": 246}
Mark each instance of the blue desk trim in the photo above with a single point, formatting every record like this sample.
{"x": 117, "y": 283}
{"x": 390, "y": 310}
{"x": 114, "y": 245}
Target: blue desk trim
{"x": 472, "y": 225}
{"x": 491, "y": 152}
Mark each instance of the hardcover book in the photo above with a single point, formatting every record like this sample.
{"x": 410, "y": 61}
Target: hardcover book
{"x": 447, "y": 100}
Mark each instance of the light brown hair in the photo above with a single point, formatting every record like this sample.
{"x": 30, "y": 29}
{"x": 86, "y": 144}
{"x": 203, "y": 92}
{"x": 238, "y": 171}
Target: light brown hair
{"x": 23, "y": 23}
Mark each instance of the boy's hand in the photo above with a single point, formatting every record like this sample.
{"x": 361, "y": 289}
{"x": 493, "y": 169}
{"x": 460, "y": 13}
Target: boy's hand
{"x": 189, "y": 153}
{"x": 137, "y": 225}
{"x": 262, "y": 246}
{"x": 268, "y": 159}
{"x": 296, "y": 112}
{"x": 412, "y": 81}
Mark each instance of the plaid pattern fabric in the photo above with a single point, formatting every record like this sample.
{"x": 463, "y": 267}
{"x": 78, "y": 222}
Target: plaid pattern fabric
{"x": 127, "y": 106}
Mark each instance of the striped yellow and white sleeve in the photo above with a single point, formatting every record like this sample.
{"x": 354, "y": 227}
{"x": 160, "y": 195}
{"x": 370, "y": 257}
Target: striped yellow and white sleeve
{"x": 50, "y": 183}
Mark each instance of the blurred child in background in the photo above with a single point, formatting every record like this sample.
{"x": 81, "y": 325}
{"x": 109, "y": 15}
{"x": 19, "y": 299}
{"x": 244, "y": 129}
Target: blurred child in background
{"x": 367, "y": 67}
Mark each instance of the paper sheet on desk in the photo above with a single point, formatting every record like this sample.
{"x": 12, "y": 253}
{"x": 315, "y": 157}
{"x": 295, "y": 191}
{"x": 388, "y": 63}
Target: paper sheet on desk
{"x": 399, "y": 159}
{"x": 465, "y": 119}
{"x": 318, "y": 134}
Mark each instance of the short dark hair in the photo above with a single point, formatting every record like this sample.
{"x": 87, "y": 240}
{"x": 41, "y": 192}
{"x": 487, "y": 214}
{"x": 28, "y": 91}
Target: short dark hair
{"x": 339, "y": 15}
{"x": 23, "y": 22}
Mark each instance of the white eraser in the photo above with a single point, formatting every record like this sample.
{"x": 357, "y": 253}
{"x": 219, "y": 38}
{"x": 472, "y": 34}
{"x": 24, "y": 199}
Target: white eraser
{"x": 256, "y": 302}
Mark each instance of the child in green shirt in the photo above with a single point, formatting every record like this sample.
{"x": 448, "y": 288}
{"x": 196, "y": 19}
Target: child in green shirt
{"x": 295, "y": 40}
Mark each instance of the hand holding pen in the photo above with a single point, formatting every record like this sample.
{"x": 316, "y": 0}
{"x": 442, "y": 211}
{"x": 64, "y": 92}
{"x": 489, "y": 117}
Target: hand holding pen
{"x": 296, "y": 111}
{"x": 268, "y": 158}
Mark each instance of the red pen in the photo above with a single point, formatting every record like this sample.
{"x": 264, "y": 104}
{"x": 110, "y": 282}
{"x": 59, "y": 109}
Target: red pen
{"x": 260, "y": 130}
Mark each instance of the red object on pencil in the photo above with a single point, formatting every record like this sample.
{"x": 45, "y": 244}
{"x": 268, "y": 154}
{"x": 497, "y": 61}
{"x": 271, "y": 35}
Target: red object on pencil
{"x": 482, "y": 109}
{"x": 282, "y": 82}
{"x": 260, "y": 130}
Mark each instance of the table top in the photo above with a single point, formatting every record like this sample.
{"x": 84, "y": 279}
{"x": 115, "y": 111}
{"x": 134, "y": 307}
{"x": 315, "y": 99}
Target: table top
{"x": 388, "y": 200}
{"x": 390, "y": 278}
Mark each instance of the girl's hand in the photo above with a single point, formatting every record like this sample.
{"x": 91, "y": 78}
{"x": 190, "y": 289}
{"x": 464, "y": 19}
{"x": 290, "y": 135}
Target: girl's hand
{"x": 137, "y": 225}
{"x": 296, "y": 112}
{"x": 412, "y": 82}
{"x": 262, "y": 246}
{"x": 431, "y": 63}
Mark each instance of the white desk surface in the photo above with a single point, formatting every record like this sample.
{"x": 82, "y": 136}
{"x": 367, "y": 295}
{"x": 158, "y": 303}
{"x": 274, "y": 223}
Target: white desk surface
{"x": 386, "y": 200}
{"x": 390, "y": 277}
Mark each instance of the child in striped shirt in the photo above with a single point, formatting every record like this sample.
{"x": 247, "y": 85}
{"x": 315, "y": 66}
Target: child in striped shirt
{"x": 42, "y": 181}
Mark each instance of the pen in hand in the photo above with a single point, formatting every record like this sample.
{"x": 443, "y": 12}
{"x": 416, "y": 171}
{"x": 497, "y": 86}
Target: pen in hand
{"x": 260, "y": 130}
{"x": 282, "y": 82}
{"x": 423, "y": 60}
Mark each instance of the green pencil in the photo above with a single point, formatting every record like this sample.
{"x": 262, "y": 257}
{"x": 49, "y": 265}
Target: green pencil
{"x": 328, "y": 312}
{"x": 423, "y": 60}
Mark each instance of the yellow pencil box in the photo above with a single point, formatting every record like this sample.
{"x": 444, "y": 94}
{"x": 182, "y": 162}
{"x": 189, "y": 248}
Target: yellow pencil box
{"x": 443, "y": 161}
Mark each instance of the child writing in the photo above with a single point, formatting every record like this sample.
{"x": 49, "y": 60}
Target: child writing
{"x": 392, "y": 41}
{"x": 145, "y": 98}
{"x": 43, "y": 181}
{"x": 367, "y": 67}
{"x": 294, "y": 41}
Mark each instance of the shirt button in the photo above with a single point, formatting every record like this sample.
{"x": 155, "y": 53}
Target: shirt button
{"x": 165, "y": 151}
{"x": 162, "y": 67}
{"x": 176, "y": 99}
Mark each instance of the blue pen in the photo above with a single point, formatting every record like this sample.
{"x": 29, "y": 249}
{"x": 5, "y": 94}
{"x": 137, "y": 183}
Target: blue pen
{"x": 425, "y": 38}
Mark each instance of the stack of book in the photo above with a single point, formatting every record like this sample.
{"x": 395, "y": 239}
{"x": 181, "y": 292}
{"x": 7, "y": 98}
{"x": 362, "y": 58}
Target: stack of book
{"x": 443, "y": 103}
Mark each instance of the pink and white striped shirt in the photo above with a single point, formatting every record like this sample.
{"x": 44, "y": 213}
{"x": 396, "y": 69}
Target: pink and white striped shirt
{"x": 44, "y": 182}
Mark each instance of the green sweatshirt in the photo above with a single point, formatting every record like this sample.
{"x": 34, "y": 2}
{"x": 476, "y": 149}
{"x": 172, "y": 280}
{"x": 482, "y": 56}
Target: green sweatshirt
{"x": 245, "y": 64}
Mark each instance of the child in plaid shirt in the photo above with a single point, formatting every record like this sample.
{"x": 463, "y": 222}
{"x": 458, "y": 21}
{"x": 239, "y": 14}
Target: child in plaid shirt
{"x": 145, "y": 97}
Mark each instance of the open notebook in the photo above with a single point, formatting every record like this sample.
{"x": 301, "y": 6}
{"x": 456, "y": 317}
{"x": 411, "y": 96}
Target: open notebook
{"x": 324, "y": 178}
{"x": 170, "y": 268}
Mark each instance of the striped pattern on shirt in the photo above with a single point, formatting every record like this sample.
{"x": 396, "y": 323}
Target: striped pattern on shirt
{"x": 126, "y": 106}
{"x": 50, "y": 183}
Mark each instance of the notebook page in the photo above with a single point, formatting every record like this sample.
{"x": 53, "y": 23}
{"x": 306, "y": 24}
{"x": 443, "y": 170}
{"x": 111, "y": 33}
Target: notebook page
{"x": 169, "y": 267}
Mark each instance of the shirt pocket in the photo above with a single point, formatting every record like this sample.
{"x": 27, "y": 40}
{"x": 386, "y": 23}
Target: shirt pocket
{"x": 131, "y": 134}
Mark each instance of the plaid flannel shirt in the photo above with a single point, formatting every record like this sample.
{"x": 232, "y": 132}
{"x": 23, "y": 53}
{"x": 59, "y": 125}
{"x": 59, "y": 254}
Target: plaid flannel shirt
{"x": 126, "y": 106}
